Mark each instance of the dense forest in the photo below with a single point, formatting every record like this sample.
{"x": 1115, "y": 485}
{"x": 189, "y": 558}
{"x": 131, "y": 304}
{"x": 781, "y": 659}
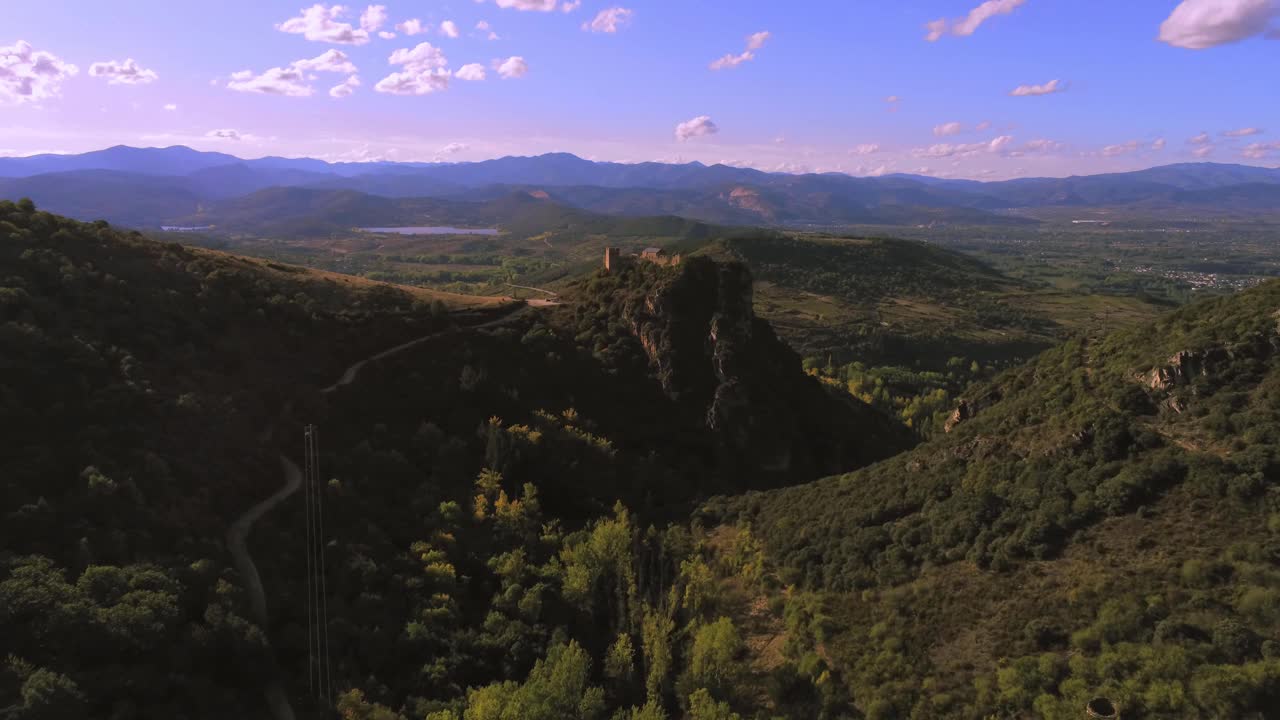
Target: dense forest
{"x": 611, "y": 508}
{"x": 1101, "y": 521}
{"x": 506, "y": 507}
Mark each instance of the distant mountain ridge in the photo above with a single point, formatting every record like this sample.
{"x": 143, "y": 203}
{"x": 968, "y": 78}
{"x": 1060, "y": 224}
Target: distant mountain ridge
{"x": 79, "y": 185}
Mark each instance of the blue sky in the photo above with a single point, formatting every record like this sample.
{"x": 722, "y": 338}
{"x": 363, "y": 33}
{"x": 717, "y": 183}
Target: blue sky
{"x": 1105, "y": 86}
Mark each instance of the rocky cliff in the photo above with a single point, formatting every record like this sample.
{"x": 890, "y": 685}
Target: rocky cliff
{"x": 713, "y": 356}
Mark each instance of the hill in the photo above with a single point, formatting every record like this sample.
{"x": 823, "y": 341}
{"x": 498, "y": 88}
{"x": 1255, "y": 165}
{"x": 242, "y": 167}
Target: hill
{"x": 477, "y": 540}
{"x": 1102, "y": 521}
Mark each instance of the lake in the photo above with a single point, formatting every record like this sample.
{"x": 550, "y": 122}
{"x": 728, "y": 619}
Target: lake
{"x": 435, "y": 230}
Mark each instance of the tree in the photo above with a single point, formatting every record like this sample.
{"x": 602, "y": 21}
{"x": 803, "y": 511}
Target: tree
{"x": 704, "y": 707}
{"x": 557, "y": 687}
{"x": 713, "y": 660}
{"x": 655, "y": 637}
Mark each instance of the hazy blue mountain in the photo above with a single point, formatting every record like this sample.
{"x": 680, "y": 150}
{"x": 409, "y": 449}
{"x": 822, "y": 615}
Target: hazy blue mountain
{"x": 176, "y": 160}
{"x": 177, "y": 179}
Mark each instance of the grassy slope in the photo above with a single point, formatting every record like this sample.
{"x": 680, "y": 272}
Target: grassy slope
{"x": 1078, "y": 536}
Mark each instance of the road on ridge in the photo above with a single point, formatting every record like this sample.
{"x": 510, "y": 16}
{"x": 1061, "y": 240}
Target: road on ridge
{"x": 238, "y": 534}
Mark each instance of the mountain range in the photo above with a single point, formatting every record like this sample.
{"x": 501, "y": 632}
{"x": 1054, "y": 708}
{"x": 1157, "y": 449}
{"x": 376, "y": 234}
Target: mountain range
{"x": 149, "y": 186}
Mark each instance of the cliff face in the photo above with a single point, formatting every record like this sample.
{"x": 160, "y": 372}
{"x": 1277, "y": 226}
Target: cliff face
{"x": 713, "y": 356}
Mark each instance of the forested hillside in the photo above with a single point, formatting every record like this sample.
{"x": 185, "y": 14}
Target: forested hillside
{"x": 506, "y": 507}
{"x": 1102, "y": 521}
{"x": 138, "y": 381}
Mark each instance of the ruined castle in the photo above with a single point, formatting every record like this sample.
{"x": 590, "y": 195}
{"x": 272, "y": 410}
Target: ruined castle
{"x": 614, "y": 259}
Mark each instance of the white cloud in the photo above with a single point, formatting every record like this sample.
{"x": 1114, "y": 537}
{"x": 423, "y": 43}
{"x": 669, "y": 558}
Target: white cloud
{"x": 538, "y": 5}
{"x": 288, "y": 81}
{"x": 866, "y": 149}
{"x": 755, "y": 41}
{"x": 1204, "y": 151}
{"x": 122, "y": 73}
{"x": 224, "y": 134}
{"x": 697, "y": 127}
{"x": 291, "y": 81}
{"x": 984, "y": 125}
{"x": 484, "y": 27}
{"x": 345, "y": 88}
{"x": 1041, "y": 145}
{"x": 387, "y": 35}
{"x": 449, "y": 28}
{"x": 454, "y": 148}
{"x": 511, "y": 68}
{"x": 945, "y": 129}
{"x": 946, "y": 150}
{"x": 1201, "y": 139}
{"x": 1053, "y": 86}
{"x": 170, "y": 107}
{"x": 470, "y": 71}
{"x": 967, "y": 25}
{"x": 1200, "y": 24}
{"x": 320, "y": 24}
{"x": 373, "y": 17}
{"x": 1260, "y": 150}
{"x": 424, "y": 71}
{"x": 328, "y": 61}
{"x": 1243, "y": 132}
{"x": 571, "y": 5}
{"x": 608, "y": 21}
{"x": 1158, "y": 144}
{"x": 1122, "y": 148}
{"x": 731, "y": 60}
{"x": 29, "y": 75}
{"x": 413, "y": 26}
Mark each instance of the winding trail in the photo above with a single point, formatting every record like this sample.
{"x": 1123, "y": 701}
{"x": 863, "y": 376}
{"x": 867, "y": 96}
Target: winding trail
{"x": 238, "y": 534}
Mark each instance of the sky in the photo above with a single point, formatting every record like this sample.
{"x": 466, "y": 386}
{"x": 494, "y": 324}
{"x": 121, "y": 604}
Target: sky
{"x": 950, "y": 88}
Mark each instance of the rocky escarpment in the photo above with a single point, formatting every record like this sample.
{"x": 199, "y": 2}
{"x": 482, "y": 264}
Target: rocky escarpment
{"x": 712, "y": 355}
{"x": 1168, "y": 381}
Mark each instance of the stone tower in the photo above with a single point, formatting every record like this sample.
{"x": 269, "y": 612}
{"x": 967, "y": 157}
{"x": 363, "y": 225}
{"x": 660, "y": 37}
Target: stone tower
{"x": 612, "y": 259}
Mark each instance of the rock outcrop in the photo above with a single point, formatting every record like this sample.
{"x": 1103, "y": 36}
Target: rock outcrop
{"x": 711, "y": 354}
{"x": 967, "y": 408}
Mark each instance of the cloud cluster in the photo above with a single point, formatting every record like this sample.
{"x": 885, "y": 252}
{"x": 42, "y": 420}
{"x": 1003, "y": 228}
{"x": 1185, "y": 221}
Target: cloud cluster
{"x": 373, "y": 17}
{"x": 1242, "y": 132}
{"x": 511, "y": 68}
{"x": 345, "y": 88}
{"x": 122, "y": 73}
{"x": 697, "y": 127}
{"x": 609, "y": 20}
{"x": 1124, "y": 148}
{"x": 471, "y": 71}
{"x": 865, "y": 149}
{"x": 947, "y": 150}
{"x": 321, "y": 24}
{"x": 1039, "y": 146}
{"x": 1201, "y": 24}
{"x": 1053, "y": 86}
{"x": 966, "y": 26}
{"x": 29, "y": 75}
{"x": 423, "y": 71}
{"x": 292, "y": 80}
{"x": 449, "y": 29}
{"x": 1260, "y": 150}
{"x": 755, "y": 41}
{"x": 538, "y": 5}
{"x": 413, "y": 26}
{"x": 224, "y": 134}
{"x": 945, "y": 129}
